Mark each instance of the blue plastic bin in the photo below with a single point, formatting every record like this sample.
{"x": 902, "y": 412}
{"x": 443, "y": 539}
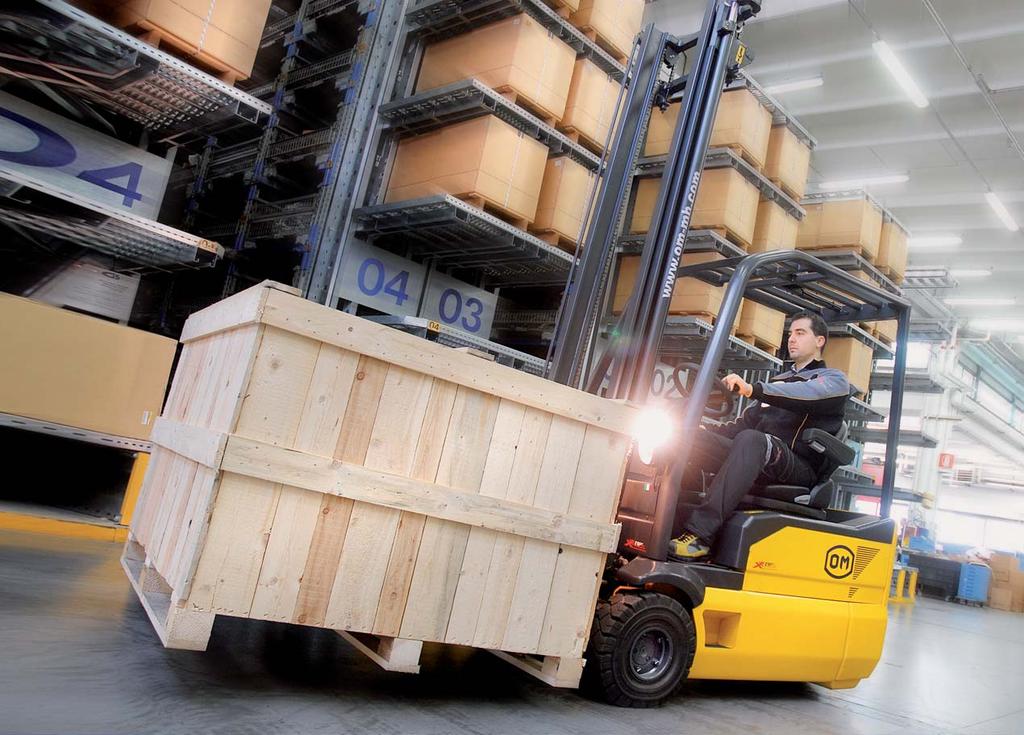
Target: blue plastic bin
{"x": 974, "y": 581}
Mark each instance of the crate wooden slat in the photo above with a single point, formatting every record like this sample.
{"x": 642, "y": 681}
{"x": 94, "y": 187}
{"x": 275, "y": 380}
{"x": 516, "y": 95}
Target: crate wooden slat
{"x": 316, "y": 468}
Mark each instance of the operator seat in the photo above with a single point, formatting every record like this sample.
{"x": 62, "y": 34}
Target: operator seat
{"x": 800, "y": 500}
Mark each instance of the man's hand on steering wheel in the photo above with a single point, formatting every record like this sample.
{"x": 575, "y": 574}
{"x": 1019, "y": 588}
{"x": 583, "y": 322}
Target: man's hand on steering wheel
{"x": 735, "y": 384}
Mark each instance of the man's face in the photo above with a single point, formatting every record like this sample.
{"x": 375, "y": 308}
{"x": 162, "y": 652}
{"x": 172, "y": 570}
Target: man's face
{"x": 803, "y": 344}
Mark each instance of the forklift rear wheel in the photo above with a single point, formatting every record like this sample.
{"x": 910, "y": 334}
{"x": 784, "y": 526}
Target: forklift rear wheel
{"x": 640, "y": 650}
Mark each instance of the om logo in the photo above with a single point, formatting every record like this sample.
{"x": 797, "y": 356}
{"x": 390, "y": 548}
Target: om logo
{"x": 839, "y": 562}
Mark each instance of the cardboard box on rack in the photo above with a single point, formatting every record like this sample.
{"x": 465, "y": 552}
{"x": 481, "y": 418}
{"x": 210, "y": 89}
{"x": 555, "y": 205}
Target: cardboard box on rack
{"x": 590, "y": 106}
{"x": 484, "y": 156}
{"x": 787, "y": 161}
{"x": 741, "y": 123}
{"x": 757, "y": 320}
{"x": 564, "y": 194}
{"x": 517, "y": 54}
{"x": 845, "y": 223}
{"x": 690, "y": 295}
{"x": 892, "y": 250}
{"x": 725, "y": 200}
{"x": 615, "y": 22}
{"x": 224, "y": 31}
{"x": 774, "y": 228}
{"x": 853, "y": 357}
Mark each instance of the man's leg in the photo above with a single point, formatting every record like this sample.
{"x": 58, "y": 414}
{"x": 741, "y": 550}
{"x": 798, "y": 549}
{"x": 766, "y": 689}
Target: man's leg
{"x": 707, "y": 453}
{"x": 751, "y": 451}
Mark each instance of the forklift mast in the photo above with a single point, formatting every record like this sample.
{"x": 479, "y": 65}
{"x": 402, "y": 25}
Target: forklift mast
{"x": 632, "y": 354}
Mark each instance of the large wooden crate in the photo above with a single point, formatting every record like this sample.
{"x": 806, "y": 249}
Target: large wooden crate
{"x": 316, "y": 468}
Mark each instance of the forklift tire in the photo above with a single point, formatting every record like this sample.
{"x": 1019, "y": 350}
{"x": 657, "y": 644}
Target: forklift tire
{"x": 641, "y": 649}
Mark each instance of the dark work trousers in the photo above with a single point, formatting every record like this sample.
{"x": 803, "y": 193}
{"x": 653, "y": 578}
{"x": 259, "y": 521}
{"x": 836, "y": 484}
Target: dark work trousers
{"x": 751, "y": 458}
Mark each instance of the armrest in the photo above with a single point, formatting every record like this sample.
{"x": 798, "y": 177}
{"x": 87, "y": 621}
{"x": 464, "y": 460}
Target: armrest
{"x": 824, "y": 443}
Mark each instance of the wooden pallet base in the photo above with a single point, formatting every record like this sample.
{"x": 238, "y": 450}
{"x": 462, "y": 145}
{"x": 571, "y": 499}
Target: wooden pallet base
{"x": 553, "y": 670}
{"x": 582, "y": 139}
{"x": 729, "y": 234}
{"x": 858, "y": 249}
{"x": 557, "y": 239}
{"x": 494, "y": 209}
{"x": 759, "y": 343}
{"x": 614, "y": 51}
{"x": 788, "y": 190}
{"x": 176, "y": 626}
{"x": 156, "y": 36}
{"x": 563, "y": 10}
{"x": 893, "y": 275}
{"x": 529, "y": 105}
{"x": 746, "y": 155}
{"x": 391, "y": 654}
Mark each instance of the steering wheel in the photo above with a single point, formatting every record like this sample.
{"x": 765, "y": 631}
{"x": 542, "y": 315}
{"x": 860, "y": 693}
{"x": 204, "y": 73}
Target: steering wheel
{"x": 721, "y": 402}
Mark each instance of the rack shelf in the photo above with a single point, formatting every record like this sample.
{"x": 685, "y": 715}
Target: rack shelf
{"x": 60, "y": 44}
{"x": 457, "y": 235}
{"x": 930, "y": 278}
{"x": 654, "y": 166}
{"x": 851, "y": 260}
{"x": 907, "y": 438}
{"x": 445, "y": 335}
{"x": 915, "y": 380}
{"x": 468, "y": 99}
{"x": 685, "y": 338}
{"x": 42, "y": 207}
{"x": 438, "y": 19}
{"x": 697, "y": 241}
{"x": 73, "y": 432}
{"x": 858, "y": 410}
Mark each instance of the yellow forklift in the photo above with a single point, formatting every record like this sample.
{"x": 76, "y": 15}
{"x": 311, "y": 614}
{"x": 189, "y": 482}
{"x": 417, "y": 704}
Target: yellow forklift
{"x": 793, "y": 589}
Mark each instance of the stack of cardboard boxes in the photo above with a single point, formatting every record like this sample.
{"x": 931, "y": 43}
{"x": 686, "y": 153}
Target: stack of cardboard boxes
{"x": 1006, "y": 592}
{"x": 486, "y": 161}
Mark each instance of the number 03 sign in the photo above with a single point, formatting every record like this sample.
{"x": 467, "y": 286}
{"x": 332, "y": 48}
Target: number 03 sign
{"x": 62, "y": 153}
{"x": 392, "y": 284}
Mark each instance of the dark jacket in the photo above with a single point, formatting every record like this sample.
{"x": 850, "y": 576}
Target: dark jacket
{"x": 814, "y": 397}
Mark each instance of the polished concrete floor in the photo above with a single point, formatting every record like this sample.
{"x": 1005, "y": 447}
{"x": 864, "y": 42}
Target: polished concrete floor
{"x": 77, "y": 655}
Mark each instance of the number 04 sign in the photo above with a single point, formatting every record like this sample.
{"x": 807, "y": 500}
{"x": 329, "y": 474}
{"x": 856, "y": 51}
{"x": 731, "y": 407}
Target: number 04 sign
{"x": 62, "y": 153}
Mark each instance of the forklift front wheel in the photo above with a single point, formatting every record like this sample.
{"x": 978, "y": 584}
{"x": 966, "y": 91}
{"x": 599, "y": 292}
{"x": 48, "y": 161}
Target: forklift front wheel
{"x": 641, "y": 649}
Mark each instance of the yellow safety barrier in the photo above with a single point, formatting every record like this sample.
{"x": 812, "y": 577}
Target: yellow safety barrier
{"x": 904, "y": 588}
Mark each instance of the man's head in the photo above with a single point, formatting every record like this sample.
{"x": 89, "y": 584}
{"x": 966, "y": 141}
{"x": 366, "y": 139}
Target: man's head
{"x": 807, "y": 336}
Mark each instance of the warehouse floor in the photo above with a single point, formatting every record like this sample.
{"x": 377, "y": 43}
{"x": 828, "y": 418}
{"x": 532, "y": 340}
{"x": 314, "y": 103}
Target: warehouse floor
{"x": 79, "y": 655}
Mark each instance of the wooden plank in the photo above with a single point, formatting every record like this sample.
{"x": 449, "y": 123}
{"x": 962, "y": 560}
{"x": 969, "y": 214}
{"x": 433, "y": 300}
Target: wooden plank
{"x": 192, "y": 442}
{"x": 226, "y": 406}
{"x": 508, "y": 549}
{"x": 242, "y": 308}
{"x": 372, "y": 527}
{"x": 552, "y": 670}
{"x": 574, "y": 587}
{"x": 391, "y": 654}
{"x": 185, "y": 380}
{"x": 537, "y": 567}
{"x": 297, "y": 469}
{"x": 236, "y": 541}
{"x": 299, "y": 511}
{"x": 384, "y": 343}
{"x": 185, "y": 553}
{"x": 463, "y": 460}
{"x": 404, "y": 552}
{"x": 175, "y": 519}
{"x": 335, "y": 512}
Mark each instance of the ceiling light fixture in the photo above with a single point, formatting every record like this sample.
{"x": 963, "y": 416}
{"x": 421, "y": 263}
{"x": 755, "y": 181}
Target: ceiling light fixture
{"x": 980, "y": 302}
{"x": 794, "y": 86}
{"x": 900, "y": 73}
{"x": 935, "y": 241}
{"x": 1001, "y": 211}
{"x": 998, "y": 325}
{"x": 839, "y": 185}
{"x": 970, "y": 273}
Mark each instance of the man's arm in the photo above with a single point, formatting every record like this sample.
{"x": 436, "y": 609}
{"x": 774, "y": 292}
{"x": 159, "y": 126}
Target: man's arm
{"x": 825, "y": 393}
{"x": 746, "y": 420}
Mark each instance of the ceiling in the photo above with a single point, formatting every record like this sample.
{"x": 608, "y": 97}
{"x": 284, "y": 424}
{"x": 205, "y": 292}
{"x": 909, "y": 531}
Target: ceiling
{"x": 954, "y": 150}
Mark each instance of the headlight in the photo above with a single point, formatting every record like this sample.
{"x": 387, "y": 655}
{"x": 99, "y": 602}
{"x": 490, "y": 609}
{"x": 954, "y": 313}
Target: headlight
{"x": 652, "y": 431}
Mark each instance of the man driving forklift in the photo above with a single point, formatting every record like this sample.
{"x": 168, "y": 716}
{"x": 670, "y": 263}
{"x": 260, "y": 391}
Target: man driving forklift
{"x": 761, "y": 447}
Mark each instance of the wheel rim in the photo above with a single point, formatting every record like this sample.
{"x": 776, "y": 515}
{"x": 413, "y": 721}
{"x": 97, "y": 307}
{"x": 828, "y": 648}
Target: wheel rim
{"x": 650, "y": 655}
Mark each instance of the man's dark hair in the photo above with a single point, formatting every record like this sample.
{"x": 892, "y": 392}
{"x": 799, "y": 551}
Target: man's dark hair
{"x": 818, "y": 326}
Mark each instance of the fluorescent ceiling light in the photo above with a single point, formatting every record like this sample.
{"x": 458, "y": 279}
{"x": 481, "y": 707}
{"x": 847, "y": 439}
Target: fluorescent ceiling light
{"x": 935, "y": 241}
{"x": 861, "y": 183}
{"x": 1003, "y": 213}
{"x": 980, "y": 302}
{"x": 794, "y": 86}
{"x": 998, "y": 325}
{"x": 970, "y": 273}
{"x": 900, "y": 73}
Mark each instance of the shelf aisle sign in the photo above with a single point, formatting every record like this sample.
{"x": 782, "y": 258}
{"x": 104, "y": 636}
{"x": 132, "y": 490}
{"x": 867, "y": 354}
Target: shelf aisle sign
{"x": 394, "y": 285}
{"x": 72, "y": 157}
